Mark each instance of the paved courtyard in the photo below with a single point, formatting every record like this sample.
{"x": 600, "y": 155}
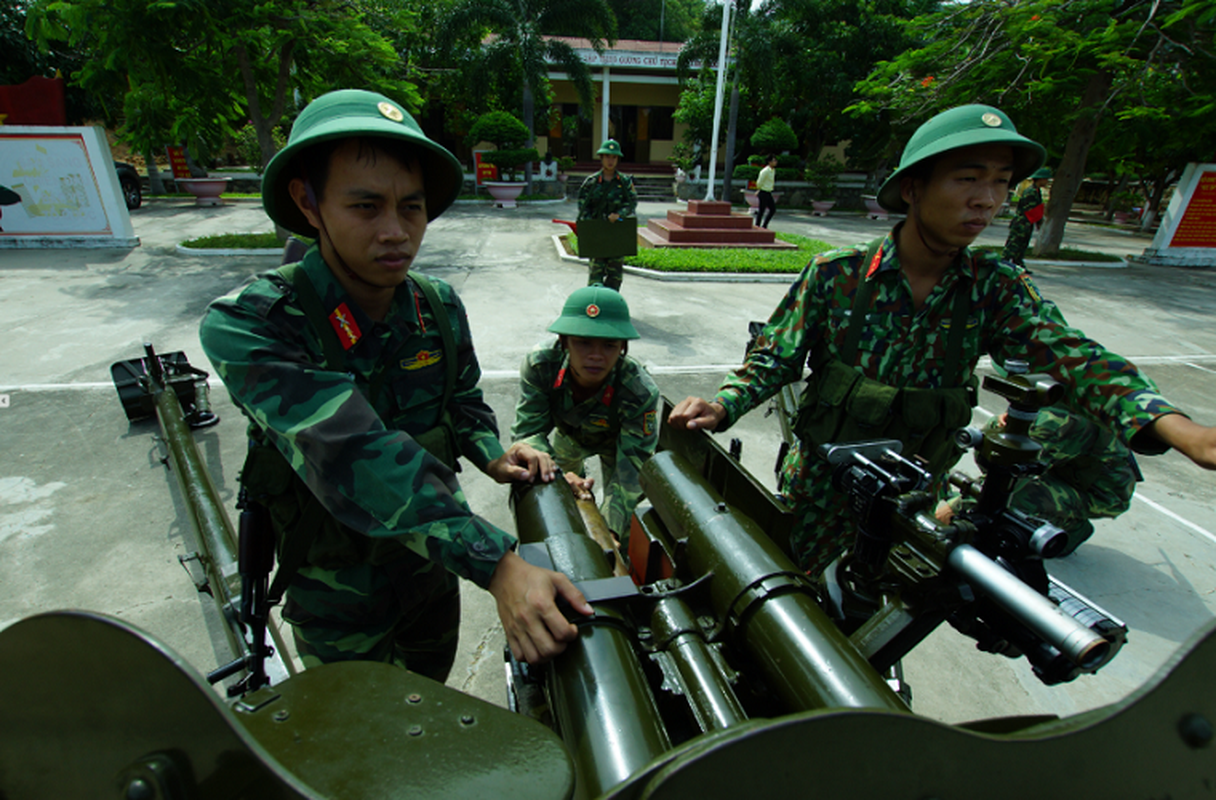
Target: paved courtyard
{"x": 90, "y": 518}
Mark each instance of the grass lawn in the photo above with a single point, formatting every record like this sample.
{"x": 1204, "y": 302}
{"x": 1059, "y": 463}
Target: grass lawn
{"x": 236, "y": 241}
{"x": 729, "y": 259}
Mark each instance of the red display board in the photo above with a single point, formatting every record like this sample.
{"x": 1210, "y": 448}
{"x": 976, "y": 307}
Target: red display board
{"x": 38, "y": 101}
{"x": 1197, "y": 228}
{"x": 177, "y": 162}
{"x": 484, "y": 172}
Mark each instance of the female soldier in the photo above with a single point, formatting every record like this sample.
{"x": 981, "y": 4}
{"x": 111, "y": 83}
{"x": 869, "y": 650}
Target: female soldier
{"x": 601, "y": 401}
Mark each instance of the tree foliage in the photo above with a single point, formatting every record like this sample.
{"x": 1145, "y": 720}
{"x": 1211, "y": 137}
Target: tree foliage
{"x": 494, "y": 47}
{"x": 657, "y": 20}
{"x": 195, "y": 71}
{"x": 1070, "y": 73}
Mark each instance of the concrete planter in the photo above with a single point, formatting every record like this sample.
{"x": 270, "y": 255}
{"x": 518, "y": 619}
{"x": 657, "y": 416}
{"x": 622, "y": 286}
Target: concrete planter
{"x": 873, "y": 209}
{"x": 206, "y": 191}
{"x": 822, "y": 207}
{"x": 504, "y": 192}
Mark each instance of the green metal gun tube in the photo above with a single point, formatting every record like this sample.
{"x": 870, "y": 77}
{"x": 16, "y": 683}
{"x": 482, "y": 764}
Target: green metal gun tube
{"x": 601, "y": 701}
{"x": 759, "y": 593}
{"x": 676, "y": 633}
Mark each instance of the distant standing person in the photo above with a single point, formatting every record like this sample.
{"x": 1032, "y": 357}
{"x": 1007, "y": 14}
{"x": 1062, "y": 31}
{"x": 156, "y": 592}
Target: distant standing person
{"x": 764, "y": 190}
{"x": 609, "y": 195}
{"x": 1029, "y": 215}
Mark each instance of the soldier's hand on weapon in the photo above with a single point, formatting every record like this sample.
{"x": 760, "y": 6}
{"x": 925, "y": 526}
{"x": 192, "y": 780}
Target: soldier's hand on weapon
{"x": 1196, "y": 442}
{"x": 522, "y": 462}
{"x": 694, "y": 413}
{"x": 527, "y": 605}
{"x": 581, "y": 486}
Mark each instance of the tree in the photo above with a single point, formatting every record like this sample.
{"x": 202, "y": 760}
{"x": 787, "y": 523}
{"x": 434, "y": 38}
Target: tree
{"x": 657, "y": 20}
{"x": 23, "y": 59}
{"x": 511, "y": 40}
{"x": 174, "y": 60}
{"x": 1088, "y": 61}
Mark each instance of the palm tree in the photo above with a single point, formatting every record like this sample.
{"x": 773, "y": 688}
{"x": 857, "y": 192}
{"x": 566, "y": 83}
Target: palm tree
{"x": 513, "y": 37}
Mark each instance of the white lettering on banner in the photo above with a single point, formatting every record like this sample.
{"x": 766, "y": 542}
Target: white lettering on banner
{"x": 665, "y": 61}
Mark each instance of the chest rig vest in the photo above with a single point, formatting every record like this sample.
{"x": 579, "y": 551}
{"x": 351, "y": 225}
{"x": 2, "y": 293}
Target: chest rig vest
{"x": 305, "y": 531}
{"x": 602, "y": 440}
{"x": 839, "y": 404}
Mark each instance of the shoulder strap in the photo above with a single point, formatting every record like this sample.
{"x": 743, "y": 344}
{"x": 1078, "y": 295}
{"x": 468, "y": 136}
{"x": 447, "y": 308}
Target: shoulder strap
{"x": 440, "y": 313}
{"x": 861, "y": 305}
{"x": 314, "y": 312}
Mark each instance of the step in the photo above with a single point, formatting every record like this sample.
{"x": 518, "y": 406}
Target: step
{"x": 687, "y": 220}
{"x": 720, "y": 236}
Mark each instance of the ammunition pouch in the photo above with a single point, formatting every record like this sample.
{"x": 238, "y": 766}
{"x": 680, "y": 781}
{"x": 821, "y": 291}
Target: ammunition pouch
{"x": 842, "y": 405}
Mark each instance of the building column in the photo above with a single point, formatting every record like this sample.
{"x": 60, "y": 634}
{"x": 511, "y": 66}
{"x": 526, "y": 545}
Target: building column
{"x": 605, "y": 104}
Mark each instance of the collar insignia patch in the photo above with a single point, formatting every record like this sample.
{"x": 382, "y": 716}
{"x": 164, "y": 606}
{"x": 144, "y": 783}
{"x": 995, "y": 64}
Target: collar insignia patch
{"x": 345, "y": 326}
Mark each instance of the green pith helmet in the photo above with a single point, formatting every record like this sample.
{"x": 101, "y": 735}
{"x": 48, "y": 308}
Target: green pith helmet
{"x": 963, "y": 126}
{"x": 595, "y": 312}
{"x": 1041, "y": 174}
{"x": 347, "y": 113}
{"x": 610, "y": 147}
{"x": 8, "y": 197}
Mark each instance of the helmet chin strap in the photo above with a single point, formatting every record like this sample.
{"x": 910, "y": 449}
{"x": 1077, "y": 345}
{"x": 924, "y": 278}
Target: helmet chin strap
{"x": 350, "y": 273}
{"x": 948, "y": 252}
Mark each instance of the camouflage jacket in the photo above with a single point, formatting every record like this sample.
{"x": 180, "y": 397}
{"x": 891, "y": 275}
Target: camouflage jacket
{"x": 358, "y": 457}
{"x": 597, "y": 197}
{"x": 903, "y": 347}
{"x": 620, "y": 419}
{"x": 1031, "y": 198}
{"x": 1086, "y": 456}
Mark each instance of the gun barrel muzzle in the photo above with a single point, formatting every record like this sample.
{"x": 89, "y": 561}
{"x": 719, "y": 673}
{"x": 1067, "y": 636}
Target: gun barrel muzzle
{"x": 1078, "y": 643}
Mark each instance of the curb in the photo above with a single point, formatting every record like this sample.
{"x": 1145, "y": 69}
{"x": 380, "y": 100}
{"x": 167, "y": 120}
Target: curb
{"x": 217, "y": 251}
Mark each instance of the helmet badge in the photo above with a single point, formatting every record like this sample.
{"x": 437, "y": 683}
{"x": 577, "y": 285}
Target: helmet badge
{"x": 391, "y": 111}
{"x": 991, "y": 120}
{"x": 593, "y": 310}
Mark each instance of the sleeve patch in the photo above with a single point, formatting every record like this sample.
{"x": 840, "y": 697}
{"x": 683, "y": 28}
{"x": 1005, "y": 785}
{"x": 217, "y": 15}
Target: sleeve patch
{"x": 648, "y": 423}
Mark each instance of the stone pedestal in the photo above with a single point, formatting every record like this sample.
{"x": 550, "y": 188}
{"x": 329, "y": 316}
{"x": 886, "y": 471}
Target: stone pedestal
{"x": 709, "y": 223}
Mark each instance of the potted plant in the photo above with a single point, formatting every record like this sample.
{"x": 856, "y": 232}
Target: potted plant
{"x": 823, "y": 175}
{"x": 508, "y": 136}
{"x": 564, "y": 165}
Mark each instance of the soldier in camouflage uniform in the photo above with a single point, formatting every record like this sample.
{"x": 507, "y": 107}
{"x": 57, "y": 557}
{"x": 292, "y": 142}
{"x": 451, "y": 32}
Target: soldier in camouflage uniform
{"x": 875, "y": 323}
{"x": 609, "y": 195}
{"x": 1027, "y": 217}
{"x": 601, "y": 401}
{"x": 360, "y": 383}
{"x": 1090, "y": 474}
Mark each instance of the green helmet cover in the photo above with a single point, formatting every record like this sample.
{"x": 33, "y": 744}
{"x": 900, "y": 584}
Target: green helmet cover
{"x": 1041, "y": 174}
{"x": 352, "y": 113}
{"x": 610, "y": 147}
{"x": 963, "y": 126}
{"x": 595, "y": 312}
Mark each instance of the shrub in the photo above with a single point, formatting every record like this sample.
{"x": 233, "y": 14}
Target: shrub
{"x": 503, "y": 130}
{"x": 509, "y": 161}
{"x": 774, "y": 136}
{"x": 246, "y": 142}
{"x": 1124, "y": 202}
{"x": 823, "y": 174}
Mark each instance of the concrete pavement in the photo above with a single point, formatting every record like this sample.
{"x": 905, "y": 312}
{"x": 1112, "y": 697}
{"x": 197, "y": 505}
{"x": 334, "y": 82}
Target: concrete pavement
{"x": 89, "y": 517}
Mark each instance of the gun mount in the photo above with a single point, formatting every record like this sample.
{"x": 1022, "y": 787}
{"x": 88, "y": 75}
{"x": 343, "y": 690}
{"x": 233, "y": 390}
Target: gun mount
{"x": 711, "y": 671}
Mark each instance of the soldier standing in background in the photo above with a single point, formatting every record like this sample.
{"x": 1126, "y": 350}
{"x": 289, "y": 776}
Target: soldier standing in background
{"x": 1027, "y": 217}
{"x": 893, "y": 331}
{"x": 360, "y": 383}
{"x": 601, "y": 401}
{"x": 609, "y": 195}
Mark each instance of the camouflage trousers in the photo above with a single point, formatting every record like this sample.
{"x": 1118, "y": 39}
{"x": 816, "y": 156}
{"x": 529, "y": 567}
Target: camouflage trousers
{"x": 405, "y": 612}
{"x": 609, "y": 272}
{"x": 1057, "y": 501}
{"x": 1020, "y": 231}
{"x": 571, "y": 457}
{"x": 824, "y": 527}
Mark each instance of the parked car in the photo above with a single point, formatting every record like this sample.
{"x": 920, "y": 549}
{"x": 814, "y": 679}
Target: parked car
{"x": 128, "y": 178}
